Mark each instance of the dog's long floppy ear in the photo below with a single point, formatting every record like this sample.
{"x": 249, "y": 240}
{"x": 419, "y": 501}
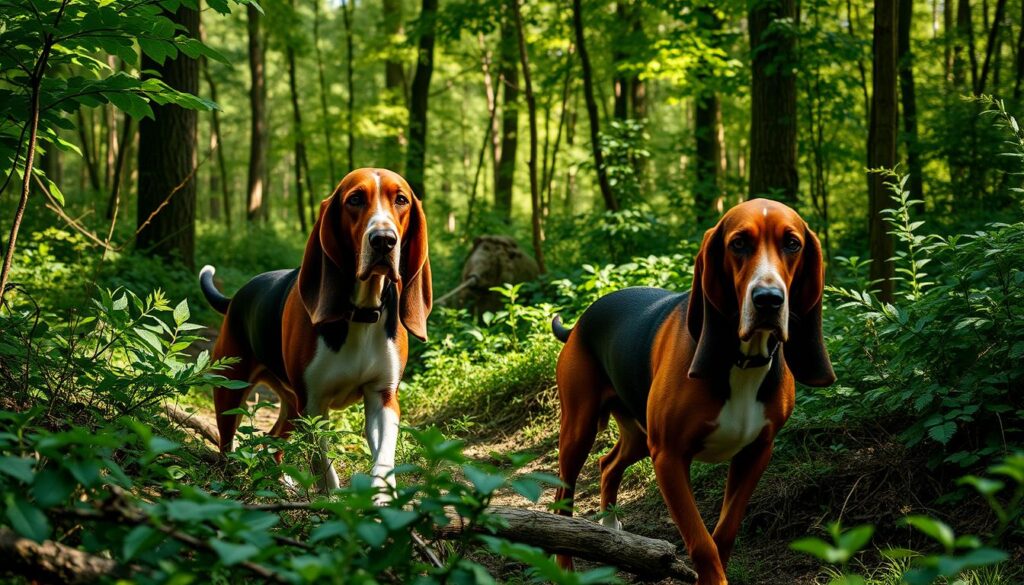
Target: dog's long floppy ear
{"x": 327, "y": 274}
{"x": 417, "y": 291}
{"x": 805, "y": 351}
{"x": 710, "y": 302}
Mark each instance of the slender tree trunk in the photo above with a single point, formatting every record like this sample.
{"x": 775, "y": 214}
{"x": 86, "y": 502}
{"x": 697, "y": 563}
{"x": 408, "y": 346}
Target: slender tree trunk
{"x": 486, "y": 65}
{"x": 258, "y": 139}
{"x": 110, "y": 125}
{"x": 531, "y": 108}
{"x": 773, "y": 159}
{"x": 348, "y": 13}
{"x": 1019, "y": 65}
{"x": 114, "y": 201}
{"x": 851, "y": 16}
{"x": 509, "y": 75}
{"x": 707, "y": 112}
{"x": 549, "y": 173}
{"x": 610, "y": 201}
{"x": 394, "y": 79}
{"x": 85, "y": 131}
{"x": 882, "y": 142}
{"x": 992, "y": 46}
{"x": 299, "y": 138}
{"x": 964, "y": 36}
{"x": 216, "y": 140}
{"x": 167, "y": 160}
{"x": 948, "y": 35}
{"x": 417, "y": 151}
{"x": 908, "y": 97}
{"x": 325, "y": 117}
{"x": 620, "y": 82}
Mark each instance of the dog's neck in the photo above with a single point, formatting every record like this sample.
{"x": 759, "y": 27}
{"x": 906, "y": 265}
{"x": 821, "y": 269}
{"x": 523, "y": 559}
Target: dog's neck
{"x": 368, "y": 294}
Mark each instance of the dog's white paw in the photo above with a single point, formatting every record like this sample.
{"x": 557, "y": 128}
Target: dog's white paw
{"x": 610, "y": 520}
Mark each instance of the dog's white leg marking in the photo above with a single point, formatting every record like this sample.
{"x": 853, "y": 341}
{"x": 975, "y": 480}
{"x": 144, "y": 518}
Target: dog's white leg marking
{"x": 611, "y": 520}
{"x": 382, "y": 437}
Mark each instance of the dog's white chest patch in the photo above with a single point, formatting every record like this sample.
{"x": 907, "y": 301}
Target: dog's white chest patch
{"x": 367, "y": 359}
{"x": 741, "y": 419}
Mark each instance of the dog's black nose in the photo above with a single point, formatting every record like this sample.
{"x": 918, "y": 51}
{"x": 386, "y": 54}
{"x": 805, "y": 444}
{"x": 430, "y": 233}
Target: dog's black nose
{"x": 768, "y": 298}
{"x": 383, "y": 240}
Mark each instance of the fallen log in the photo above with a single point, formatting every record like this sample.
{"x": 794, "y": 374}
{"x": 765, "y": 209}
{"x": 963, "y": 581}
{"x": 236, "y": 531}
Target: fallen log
{"x": 51, "y": 562}
{"x": 650, "y": 558}
{"x": 192, "y": 422}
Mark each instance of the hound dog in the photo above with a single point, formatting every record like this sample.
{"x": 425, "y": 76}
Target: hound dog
{"x": 336, "y": 329}
{"x": 706, "y": 375}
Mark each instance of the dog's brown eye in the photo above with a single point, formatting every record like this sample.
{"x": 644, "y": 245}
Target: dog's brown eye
{"x": 356, "y": 200}
{"x": 791, "y": 244}
{"x": 738, "y": 245}
{"x": 401, "y": 200}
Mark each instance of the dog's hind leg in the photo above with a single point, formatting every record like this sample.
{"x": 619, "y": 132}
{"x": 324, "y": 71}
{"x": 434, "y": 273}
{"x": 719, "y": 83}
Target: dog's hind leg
{"x": 630, "y": 448}
{"x": 582, "y": 389}
{"x": 227, "y": 399}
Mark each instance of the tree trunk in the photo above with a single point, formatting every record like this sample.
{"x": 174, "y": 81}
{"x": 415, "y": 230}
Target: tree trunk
{"x": 348, "y": 13}
{"x": 1019, "y": 65}
{"x": 300, "y": 141}
{"x": 257, "y": 188}
{"x": 610, "y": 201}
{"x": 908, "y": 97}
{"x": 882, "y": 143}
{"x": 216, "y": 142}
{"x": 621, "y": 90}
{"x": 486, "y": 66}
{"x": 964, "y": 35}
{"x": 773, "y": 160}
{"x": 650, "y": 558}
{"x": 325, "y": 117}
{"x": 509, "y": 76}
{"x": 549, "y": 172}
{"x": 114, "y": 201}
{"x": 851, "y": 16}
{"x": 85, "y": 131}
{"x": 992, "y": 46}
{"x": 531, "y": 108}
{"x": 707, "y": 112}
{"x": 947, "y": 43}
{"x": 417, "y": 151}
{"x": 167, "y": 160}
{"x": 394, "y": 80}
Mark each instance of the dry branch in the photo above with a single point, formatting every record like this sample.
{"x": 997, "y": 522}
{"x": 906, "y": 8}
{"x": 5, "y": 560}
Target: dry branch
{"x": 190, "y": 421}
{"x": 640, "y": 555}
{"x": 51, "y": 562}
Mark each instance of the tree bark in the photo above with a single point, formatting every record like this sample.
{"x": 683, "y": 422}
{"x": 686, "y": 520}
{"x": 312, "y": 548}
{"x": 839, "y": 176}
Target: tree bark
{"x": 531, "y": 108}
{"x": 707, "y": 112}
{"x": 114, "y": 201}
{"x": 299, "y": 139}
{"x": 908, "y": 97}
{"x": 417, "y": 151}
{"x": 610, "y": 201}
{"x": 648, "y": 557}
{"x": 1019, "y": 65}
{"x": 882, "y": 143}
{"x": 348, "y": 13}
{"x": 394, "y": 79}
{"x": 992, "y": 46}
{"x": 325, "y": 117}
{"x": 620, "y": 82}
{"x": 167, "y": 160}
{"x": 773, "y": 159}
{"x": 486, "y": 66}
{"x": 85, "y": 131}
{"x": 217, "y": 144}
{"x": 964, "y": 35}
{"x": 258, "y": 138}
{"x": 509, "y": 77}
{"x": 52, "y": 562}
{"x": 547, "y": 177}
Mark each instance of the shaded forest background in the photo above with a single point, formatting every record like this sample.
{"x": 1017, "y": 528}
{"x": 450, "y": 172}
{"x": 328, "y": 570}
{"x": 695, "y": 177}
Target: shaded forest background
{"x": 602, "y": 136}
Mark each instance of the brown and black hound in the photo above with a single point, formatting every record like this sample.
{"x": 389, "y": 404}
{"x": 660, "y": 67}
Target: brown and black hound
{"x": 706, "y": 375}
{"x": 335, "y": 330}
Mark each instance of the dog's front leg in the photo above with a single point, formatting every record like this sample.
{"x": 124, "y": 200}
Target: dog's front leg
{"x": 744, "y": 473}
{"x": 323, "y": 467}
{"x": 382, "y": 416}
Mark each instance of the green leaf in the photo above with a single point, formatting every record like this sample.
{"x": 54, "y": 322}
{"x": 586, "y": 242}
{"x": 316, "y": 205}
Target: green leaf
{"x": 130, "y": 103}
{"x": 26, "y": 519}
{"x": 372, "y": 533}
{"x": 19, "y": 468}
{"x": 856, "y": 538}
{"x": 231, "y": 554}
{"x": 396, "y": 520}
{"x": 820, "y": 549}
{"x": 140, "y": 538}
{"x": 181, "y": 313}
{"x": 936, "y": 529}
{"x": 52, "y": 487}
{"x": 484, "y": 482}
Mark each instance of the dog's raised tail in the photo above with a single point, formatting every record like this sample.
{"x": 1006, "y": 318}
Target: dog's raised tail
{"x": 560, "y": 331}
{"x": 217, "y": 300}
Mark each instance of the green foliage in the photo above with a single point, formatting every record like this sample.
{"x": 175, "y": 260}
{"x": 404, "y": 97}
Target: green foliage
{"x": 960, "y": 555}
